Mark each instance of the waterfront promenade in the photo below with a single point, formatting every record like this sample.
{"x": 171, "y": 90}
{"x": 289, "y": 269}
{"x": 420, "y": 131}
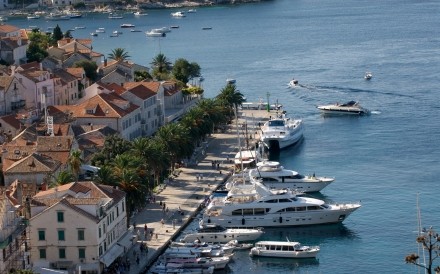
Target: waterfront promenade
{"x": 188, "y": 191}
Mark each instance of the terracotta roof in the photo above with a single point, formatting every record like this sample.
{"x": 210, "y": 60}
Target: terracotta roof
{"x": 8, "y": 28}
{"x": 64, "y": 75}
{"x": 104, "y": 105}
{"x": 142, "y": 90}
{"x": 77, "y": 72}
{"x": 170, "y": 88}
{"x": 54, "y": 143}
{"x": 30, "y": 65}
{"x": 65, "y": 202}
{"x": 118, "y": 89}
{"x": 34, "y": 163}
{"x": 12, "y": 121}
{"x": 76, "y": 187}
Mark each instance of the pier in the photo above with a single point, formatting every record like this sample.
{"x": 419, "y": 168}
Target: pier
{"x": 211, "y": 165}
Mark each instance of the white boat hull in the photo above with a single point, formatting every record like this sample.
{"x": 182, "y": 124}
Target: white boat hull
{"x": 280, "y": 138}
{"x": 283, "y": 219}
{"x": 255, "y": 251}
{"x": 234, "y": 234}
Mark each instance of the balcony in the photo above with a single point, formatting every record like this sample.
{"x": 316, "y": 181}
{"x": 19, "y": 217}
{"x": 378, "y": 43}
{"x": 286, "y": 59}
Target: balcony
{"x": 18, "y": 104}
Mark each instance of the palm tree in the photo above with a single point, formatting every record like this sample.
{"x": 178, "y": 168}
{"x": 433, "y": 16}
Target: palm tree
{"x": 105, "y": 176}
{"x": 161, "y": 66}
{"x": 119, "y": 54}
{"x": 75, "y": 162}
{"x": 229, "y": 97}
{"x": 64, "y": 177}
{"x": 176, "y": 140}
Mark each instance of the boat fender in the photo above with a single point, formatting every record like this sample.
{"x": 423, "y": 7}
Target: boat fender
{"x": 281, "y": 219}
{"x": 243, "y": 221}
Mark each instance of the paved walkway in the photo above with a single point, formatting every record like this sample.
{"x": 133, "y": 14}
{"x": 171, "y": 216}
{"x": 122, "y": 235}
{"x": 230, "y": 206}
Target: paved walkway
{"x": 187, "y": 192}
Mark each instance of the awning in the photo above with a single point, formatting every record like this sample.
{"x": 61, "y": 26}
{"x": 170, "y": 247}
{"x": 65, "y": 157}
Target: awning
{"x": 114, "y": 252}
{"x": 126, "y": 241}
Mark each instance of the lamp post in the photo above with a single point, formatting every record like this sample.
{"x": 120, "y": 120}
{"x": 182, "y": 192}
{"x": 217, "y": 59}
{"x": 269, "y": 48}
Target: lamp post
{"x": 268, "y": 104}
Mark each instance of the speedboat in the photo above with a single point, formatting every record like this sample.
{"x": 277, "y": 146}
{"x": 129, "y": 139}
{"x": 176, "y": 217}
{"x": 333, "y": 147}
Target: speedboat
{"x": 368, "y": 75}
{"x": 93, "y": 34}
{"x": 192, "y": 11}
{"x": 115, "y": 16}
{"x": 230, "y": 81}
{"x": 274, "y": 175}
{"x": 100, "y": 30}
{"x": 127, "y": 26}
{"x": 260, "y": 206}
{"x": 178, "y": 14}
{"x": 283, "y": 250}
{"x": 139, "y": 13}
{"x": 187, "y": 260}
{"x": 153, "y": 33}
{"x": 281, "y": 132}
{"x": 293, "y": 83}
{"x": 351, "y": 108}
{"x": 218, "y": 234}
{"x": 162, "y": 30}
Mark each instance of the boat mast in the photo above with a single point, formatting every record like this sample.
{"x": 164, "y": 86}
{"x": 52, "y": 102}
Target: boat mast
{"x": 420, "y": 232}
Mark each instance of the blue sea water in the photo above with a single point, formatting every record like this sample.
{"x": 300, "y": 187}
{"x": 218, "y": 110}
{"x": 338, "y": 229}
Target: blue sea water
{"x": 385, "y": 159}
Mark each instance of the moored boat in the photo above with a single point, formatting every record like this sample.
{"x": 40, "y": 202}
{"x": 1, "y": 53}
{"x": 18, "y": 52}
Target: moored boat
{"x": 153, "y": 33}
{"x": 283, "y": 250}
{"x": 280, "y": 132}
{"x": 274, "y": 175}
{"x": 126, "y": 25}
{"x": 218, "y": 234}
{"x": 259, "y": 206}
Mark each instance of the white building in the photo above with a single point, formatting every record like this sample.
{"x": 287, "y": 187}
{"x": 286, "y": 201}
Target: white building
{"x": 78, "y": 226}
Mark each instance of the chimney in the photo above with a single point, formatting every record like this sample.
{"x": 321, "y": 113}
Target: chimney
{"x": 105, "y": 62}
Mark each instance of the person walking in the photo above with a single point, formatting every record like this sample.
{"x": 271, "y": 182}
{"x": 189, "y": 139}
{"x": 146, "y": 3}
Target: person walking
{"x": 162, "y": 222}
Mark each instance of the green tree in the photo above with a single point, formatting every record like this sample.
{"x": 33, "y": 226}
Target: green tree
{"x": 75, "y": 162}
{"x": 37, "y": 49}
{"x": 161, "y": 67}
{"x": 229, "y": 97}
{"x": 119, "y": 54}
{"x": 105, "y": 176}
{"x": 68, "y": 34}
{"x": 183, "y": 70}
{"x": 57, "y": 35}
{"x": 142, "y": 75}
{"x": 64, "y": 177}
{"x": 176, "y": 140}
{"x": 90, "y": 68}
{"x": 430, "y": 241}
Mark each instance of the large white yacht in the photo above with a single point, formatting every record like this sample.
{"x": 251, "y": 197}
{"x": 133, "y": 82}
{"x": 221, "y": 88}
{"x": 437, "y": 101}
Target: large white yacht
{"x": 281, "y": 132}
{"x": 214, "y": 233}
{"x": 350, "y": 108}
{"x": 258, "y": 206}
{"x": 274, "y": 175}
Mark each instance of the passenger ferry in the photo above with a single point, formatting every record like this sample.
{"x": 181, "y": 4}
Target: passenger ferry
{"x": 283, "y": 250}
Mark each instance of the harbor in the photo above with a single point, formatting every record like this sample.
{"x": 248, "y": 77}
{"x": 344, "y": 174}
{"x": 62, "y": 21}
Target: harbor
{"x": 187, "y": 191}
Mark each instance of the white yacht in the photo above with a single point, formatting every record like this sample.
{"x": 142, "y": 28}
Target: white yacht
{"x": 274, "y": 175}
{"x": 193, "y": 260}
{"x": 349, "y": 108}
{"x": 219, "y": 234}
{"x": 261, "y": 207}
{"x": 153, "y": 33}
{"x": 283, "y": 250}
{"x": 281, "y": 132}
{"x": 178, "y": 14}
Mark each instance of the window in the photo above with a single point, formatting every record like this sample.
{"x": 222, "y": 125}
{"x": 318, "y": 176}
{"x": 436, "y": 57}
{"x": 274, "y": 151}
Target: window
{"x": 60, "y": 216}
{"x": 81, "y": 253}
{"x": 41, "y": 235}
{"x": 42, "y": 253}
{"x": 80, "y": 234}
{"x": 61, "y": 236}
{"x": 62, "y": 252}
{"x": 123, "y": 206}
{"x": 99, "y": 232}
{"x": 117, "y": 211}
